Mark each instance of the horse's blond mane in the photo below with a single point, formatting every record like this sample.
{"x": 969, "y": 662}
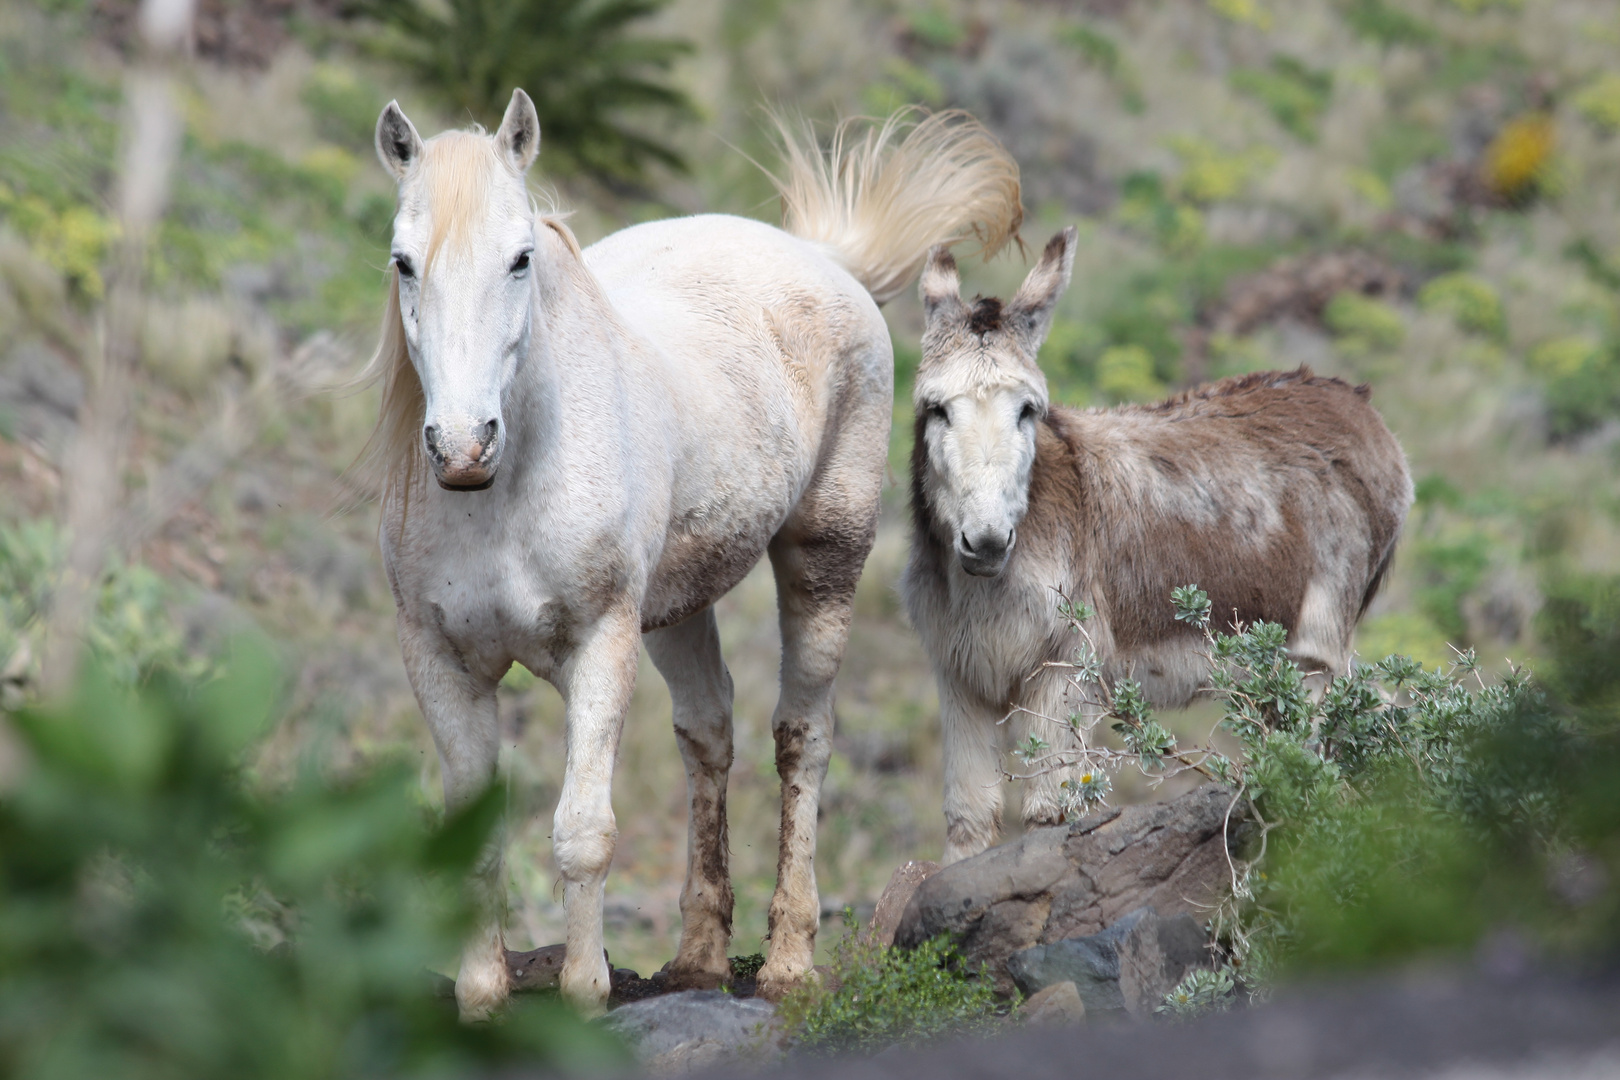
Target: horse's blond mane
{"x": 459, "y": 171}
{"x": 880, "y": 198}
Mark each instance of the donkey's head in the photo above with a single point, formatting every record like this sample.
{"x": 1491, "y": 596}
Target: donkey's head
{"x": 979, "y": 396}
{"x": 463, "y": 238}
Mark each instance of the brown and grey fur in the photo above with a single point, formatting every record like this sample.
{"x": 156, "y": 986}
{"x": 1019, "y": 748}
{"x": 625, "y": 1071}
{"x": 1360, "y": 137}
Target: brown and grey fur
{"x": 1281, "y": 494}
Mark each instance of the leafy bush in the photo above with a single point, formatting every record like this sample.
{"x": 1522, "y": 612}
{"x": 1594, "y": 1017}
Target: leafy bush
{"x": 880, "y": 997}
{"x": 1467, "y": 299}
{"x": 1295, "y": 95}
{"x": 1399, "y": 810}
{"x": 1363, "y": 322}
{"x": 577, "y": 59}
{"x": 160, "y": 919}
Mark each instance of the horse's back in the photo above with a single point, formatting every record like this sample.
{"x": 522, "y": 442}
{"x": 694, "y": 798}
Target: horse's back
{"x": 775, "y": 361}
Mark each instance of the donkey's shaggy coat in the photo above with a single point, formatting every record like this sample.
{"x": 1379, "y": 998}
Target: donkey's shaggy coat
{"x": 1279, "y": 493}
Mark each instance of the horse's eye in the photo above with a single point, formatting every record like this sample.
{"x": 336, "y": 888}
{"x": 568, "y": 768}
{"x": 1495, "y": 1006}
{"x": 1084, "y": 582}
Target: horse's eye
{"x": 403, "y": 265}
{"x": 521, "y": 263}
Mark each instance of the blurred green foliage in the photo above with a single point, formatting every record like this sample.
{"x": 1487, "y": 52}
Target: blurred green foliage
{"x": 1406, "y": 810}
{"x": 159, "y": 918}
{"x": 587, "y": 72}
{"x": 1295, "y": 94}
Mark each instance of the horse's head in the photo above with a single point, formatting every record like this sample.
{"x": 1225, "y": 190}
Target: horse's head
{"x": 979, "y": 396}
{"x": 463, "y": 238}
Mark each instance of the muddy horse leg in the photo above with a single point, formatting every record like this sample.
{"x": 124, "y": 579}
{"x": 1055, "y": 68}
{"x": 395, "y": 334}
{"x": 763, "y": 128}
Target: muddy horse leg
{"x": 688, "y": 656}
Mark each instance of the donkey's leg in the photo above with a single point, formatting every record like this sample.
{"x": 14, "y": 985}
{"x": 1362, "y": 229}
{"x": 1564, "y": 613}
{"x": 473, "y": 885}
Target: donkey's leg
{"x": 461, "y": 713}
{"x": 816, "y": 574}
{"x": 688, "y": 656}
{"x": 1047, "y": 701}
{"x": 972, "y": 759}
{"x": 596, "y": 684}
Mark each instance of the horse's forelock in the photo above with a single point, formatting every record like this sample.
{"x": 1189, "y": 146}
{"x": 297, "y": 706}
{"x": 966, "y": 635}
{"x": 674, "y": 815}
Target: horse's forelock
{"x": 459, "y": 169}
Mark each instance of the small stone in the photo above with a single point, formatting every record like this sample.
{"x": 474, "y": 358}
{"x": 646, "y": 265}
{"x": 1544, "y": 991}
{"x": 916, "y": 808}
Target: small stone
{"x": 1058, "y": 1005}
{"x": 1127, "y": 968}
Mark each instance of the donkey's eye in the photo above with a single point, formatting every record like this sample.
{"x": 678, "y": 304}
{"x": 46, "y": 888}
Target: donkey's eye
{"x": 521, "y": 263}
{"x": 1027, "y": 412}
{"x": 403, "y": 265}
{"x": 937, "y": 412}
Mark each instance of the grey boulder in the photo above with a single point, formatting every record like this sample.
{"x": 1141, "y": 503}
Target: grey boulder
{"x": 698, "y": 1029}
{"x": 1069, "y": 881}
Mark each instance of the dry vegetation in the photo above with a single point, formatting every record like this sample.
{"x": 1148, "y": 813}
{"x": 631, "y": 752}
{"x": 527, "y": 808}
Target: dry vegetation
{"x": 1467, "y": 149}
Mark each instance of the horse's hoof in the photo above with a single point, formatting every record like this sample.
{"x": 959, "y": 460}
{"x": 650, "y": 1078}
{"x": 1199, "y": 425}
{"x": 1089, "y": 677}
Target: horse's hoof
{"x": 776, "y": 985}
{"x": 694, "y": 978}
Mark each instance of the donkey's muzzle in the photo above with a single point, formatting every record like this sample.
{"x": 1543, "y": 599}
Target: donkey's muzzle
{"x": 464, "y": 462}
{"x": 986, "y": 554}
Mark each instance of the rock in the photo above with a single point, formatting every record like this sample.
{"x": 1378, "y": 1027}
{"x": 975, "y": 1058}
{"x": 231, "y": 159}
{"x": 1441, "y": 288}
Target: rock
{"x": 1075, "y": 880}
{"x": 698, "y": 1029}
{"x": 1059, "y": 1005}
{"x": 896, "y": 895}
{"x": 1127, "y": 968}
{"x": 537, "y": 969}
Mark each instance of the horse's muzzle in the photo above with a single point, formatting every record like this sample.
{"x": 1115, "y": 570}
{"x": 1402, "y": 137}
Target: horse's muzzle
{"x": 465, "y": 464}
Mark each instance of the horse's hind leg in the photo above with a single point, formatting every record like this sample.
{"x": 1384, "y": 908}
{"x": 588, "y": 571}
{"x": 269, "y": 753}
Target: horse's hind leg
{"x": 688, "y": 656}
{"x": 817, "y": 568}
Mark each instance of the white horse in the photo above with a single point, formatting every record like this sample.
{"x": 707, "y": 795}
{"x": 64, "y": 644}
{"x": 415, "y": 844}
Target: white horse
{"x": 584, "y": 450}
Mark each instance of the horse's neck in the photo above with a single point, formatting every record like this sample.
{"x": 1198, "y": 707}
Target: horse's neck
{"x": 579, "y": 349}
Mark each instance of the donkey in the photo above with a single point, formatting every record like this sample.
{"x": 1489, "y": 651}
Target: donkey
{"x": 583, "y": 450}
{"x": 1279, "y": 493}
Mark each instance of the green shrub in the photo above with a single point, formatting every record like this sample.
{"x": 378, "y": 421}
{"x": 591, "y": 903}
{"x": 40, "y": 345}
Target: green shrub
{"x": 1469, "y": 300}
{"x": 1364, "y": 322}
{"x": 883, "y": 997}
{"x": 1398, "y": 811}
{"x": 578, "y": 59}
{"x": 1295, "y": 95}
{"x": 1600, "y": 102}
{"x": 158, "y": 919}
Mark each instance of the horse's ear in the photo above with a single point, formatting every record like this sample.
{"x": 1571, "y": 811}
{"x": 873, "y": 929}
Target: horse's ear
{"x": 1030, "y": 312}
{"x": 519, "y": 133}
{"x": 398, "y": 144}
{"x": 940, "y": 287}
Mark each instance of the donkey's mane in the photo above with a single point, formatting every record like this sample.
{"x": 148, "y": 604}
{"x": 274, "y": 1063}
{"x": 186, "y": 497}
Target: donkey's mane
{"x": 460, "y": 170}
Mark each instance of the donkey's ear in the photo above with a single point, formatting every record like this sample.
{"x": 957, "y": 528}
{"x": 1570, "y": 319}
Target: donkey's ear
{"x": 398, "y": 144}
{"x": 1031, "y": 309}
{"x": 519, "y": 133}
{"x": 941, "y": 288}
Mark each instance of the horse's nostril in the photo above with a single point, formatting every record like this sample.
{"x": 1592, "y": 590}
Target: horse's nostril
{"x": 487, "y": 432}
{"x": 430, "y": 435}
{"x": 967, "y": 545}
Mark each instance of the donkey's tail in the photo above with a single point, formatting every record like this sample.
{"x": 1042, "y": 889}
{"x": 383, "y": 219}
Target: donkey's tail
{"x": 881, "y": 194}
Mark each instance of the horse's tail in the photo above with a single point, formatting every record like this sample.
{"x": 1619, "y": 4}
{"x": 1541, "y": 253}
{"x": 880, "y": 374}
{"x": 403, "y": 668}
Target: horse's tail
{"x": 880, "y": 195}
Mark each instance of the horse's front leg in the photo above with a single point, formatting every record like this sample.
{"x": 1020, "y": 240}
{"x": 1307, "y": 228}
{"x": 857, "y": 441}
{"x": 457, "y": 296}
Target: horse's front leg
{"x": 597, "y": 681}
{"x": 461, "y": 713}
